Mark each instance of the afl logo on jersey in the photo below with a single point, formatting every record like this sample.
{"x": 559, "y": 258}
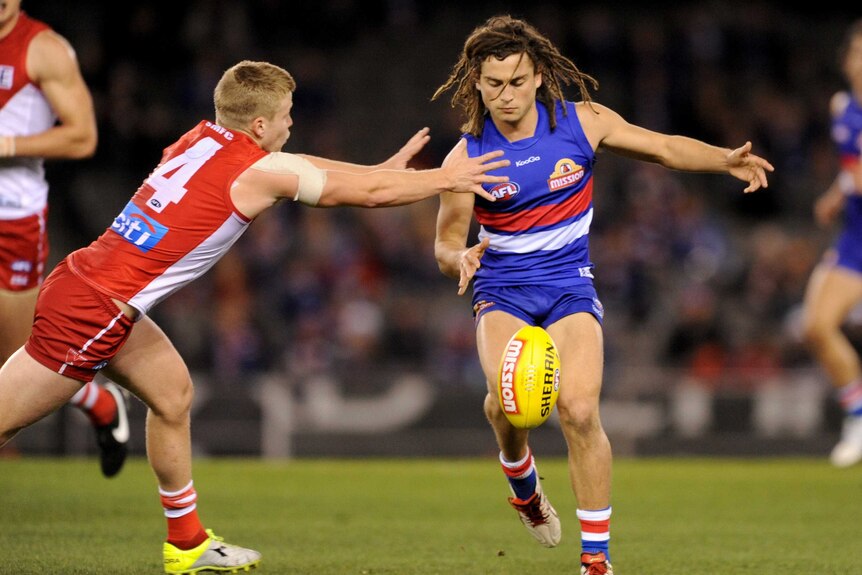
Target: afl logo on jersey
{"x": 566, "y": 173}
{"x": 505, "y": 191}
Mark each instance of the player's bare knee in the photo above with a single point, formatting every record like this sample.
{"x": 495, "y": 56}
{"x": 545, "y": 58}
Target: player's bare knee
{"x": 174, "y": 402}
{"x": 492, "y": 408}
{"x": 816, "y": 334}
{"x": 579, "y": 416}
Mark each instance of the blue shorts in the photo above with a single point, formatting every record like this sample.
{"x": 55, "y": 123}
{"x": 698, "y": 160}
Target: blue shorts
{"x": 538, "y": 305}
{"x": 849, "y": 243}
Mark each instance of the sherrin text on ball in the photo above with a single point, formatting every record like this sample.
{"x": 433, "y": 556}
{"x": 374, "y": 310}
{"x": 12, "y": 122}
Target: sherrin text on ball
{"x": 528, "y": 381}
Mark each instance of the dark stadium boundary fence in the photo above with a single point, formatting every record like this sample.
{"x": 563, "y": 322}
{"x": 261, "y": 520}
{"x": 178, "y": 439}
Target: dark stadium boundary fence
{"x": 412, "y": 416}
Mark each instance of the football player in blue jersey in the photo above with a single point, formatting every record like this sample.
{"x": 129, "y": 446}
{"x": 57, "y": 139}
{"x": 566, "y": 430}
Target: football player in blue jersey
{"x": 835, "y": 286}
{"x": 531, "y": 264}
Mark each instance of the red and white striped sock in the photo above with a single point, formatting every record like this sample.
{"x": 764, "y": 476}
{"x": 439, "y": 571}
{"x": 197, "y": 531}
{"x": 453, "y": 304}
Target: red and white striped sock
{"x": 185, "y": 530}
{"x": 95, "y": 401}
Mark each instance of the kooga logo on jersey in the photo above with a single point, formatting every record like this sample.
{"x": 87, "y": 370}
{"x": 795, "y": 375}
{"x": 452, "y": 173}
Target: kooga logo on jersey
{"x": 529, "y": 160}
{"x": 137, "y": 228}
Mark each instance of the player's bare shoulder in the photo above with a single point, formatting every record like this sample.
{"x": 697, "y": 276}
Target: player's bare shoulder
{"x": 597, "y": 120}
{"x": 50, "y": 56}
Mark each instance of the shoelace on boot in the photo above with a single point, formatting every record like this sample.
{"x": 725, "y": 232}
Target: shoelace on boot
{"x": 594, "y": 564}
{"x": 532, "y": 508}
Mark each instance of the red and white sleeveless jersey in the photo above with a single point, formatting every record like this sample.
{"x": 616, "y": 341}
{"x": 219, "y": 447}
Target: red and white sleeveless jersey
{"x": 24, "y": 110}
{"x": 177, "y": 225}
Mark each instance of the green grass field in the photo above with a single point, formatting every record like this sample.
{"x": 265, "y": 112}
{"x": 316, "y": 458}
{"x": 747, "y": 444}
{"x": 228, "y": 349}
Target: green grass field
{"x": 442, "y": 517}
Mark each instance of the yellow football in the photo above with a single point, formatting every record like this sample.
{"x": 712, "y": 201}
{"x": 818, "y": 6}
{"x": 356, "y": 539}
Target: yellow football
{"x": 528, "y": 382}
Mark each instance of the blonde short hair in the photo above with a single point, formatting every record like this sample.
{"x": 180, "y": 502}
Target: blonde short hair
{"x": 250, "y": 90}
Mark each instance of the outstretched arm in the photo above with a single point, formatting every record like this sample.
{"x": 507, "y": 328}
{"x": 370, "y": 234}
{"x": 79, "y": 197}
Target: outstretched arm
{"x": 610, "y": 131}
{"x": 279, "y": 176}
{"x": 382, "y": 188}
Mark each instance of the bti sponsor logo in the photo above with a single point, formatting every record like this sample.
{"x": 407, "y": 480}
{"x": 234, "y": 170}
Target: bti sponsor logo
{"x": 140, "y": 230}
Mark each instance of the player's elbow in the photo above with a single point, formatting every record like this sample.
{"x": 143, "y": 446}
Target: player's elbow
{"x": 383, "y": 197}
{"x": 83, "y": 146}
{"x": 374, "y": 200}
{"x": 444, "y": 261}
{"x": 438, "y": 255}
{"x": 441, "y": 265}
{"x": 446, "y": 269}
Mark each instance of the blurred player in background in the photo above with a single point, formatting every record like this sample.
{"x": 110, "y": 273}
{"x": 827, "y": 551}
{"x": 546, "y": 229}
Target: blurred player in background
{"x": 210, "y": 185}
{"x": 46, "y": 111}
{"x": 835, "y": 286}
{"x": 532, "y": 264}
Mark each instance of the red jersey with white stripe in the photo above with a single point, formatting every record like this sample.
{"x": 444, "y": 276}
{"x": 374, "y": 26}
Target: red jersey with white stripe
{"x": 178, "y": 225}
{"x": 24, "y": 111}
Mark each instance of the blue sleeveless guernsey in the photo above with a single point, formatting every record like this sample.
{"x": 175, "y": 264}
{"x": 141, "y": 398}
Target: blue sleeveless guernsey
{"x": 847, "y": 135}
{"x": 539, "y": 226}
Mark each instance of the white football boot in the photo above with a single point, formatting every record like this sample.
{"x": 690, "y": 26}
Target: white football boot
{"x": 211, "y": 555}
{"x": 848, "y": 451}
{"x": 539, "y": 517}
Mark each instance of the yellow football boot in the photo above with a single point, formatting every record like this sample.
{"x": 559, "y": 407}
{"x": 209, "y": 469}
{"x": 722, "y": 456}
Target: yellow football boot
{"x": 211, "y": 555}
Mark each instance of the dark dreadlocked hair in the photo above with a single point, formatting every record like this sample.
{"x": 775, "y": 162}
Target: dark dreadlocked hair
{"x": 500, "y": 37}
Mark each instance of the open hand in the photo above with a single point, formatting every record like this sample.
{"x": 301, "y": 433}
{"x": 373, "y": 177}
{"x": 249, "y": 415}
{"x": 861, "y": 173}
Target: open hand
{"x": 402, "y": 157}
{"x": 749, "y": 168}
{"x": 469, "y": 262}
{"x": 468, "y": 174}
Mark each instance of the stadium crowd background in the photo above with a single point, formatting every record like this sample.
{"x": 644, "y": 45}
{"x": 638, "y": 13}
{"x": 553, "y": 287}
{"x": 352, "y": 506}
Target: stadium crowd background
{"x": 697, "y": 279}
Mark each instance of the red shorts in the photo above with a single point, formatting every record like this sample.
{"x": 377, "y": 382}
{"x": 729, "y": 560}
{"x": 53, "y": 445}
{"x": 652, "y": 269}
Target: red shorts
{"x": 77, "y": 329}
{"x": 23, "y": 251}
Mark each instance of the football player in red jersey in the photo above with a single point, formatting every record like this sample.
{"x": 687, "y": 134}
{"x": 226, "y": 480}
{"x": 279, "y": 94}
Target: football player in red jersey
{"x": 46, "y": 111}
{"x": 91, "y": 313}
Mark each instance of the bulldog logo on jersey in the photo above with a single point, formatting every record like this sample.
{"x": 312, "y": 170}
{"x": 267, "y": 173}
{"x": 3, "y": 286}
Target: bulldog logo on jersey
{"x": 505, "y": 191}
{"x": 566, "y": 173}
{"x": 134, "y": 226}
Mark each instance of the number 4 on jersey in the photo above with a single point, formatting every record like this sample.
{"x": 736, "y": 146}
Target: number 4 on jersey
{"x": 169, "y": 179}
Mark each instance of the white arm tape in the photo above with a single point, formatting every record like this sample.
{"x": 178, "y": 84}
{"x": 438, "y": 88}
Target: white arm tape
{"x": 7, "y": 146}
{"x": 311, "y": 178}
